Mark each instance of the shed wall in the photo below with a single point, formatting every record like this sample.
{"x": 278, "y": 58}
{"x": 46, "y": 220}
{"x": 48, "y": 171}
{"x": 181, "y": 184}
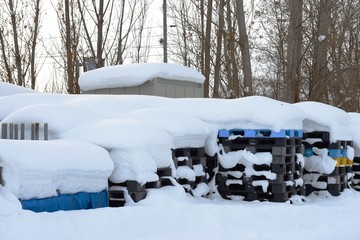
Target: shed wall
{"x": 157, "y": 87}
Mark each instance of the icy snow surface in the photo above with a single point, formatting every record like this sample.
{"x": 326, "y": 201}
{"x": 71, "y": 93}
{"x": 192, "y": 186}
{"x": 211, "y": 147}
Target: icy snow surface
{"x": 135, "y": 75}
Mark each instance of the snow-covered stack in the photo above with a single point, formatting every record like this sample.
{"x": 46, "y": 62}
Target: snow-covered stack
{"x": 194, "y": 169}
{"x": 48, "y": 169}
{"x": 328, "y": 148}
{"x": 355, "y": 130}
{"x": 260, "y": 164}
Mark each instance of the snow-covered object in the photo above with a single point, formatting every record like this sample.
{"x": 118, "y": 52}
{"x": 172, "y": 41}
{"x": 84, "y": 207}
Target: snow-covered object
{"x": 355, "y": 130}
{"x": 54, "y": 114}
{"x": 192, "y": 134}
{"x": 136, "y": 74}
{"x": 120, "y": 134}
{"x": 10, "y": 89}
{"x": 248, "y": 159}
{"x": 133, "y": 164}
{"x": 40, "y": 169}
{"x": 323, "y": 117}
{"x": 254, "y": 112}
{"x": 201, "y": 190}
{"x": 320, "y": 162}
{"x": 186, "y": 172}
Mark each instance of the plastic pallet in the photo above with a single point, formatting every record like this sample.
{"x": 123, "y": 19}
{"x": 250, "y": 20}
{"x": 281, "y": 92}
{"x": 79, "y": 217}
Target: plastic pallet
{"x": 189, "y": 152}
{"x": 271, "y": 197}
{"x": 357, "y": 160}
{"x": 1, "y": 179}
{"x": 138, "y": 196}
{"x": 134, "y": 186}
{"x": 324, "y": 136}
{"x": 274, "y": 142}
{"x": 224, "y": 133}
{"x": 116, "y": 198}
{"x": 238, "y": 167}
{"x": 164, "y": 172}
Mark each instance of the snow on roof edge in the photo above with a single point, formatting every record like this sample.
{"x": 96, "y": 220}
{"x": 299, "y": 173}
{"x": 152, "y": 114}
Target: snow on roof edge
{"x": 130, "y": 75}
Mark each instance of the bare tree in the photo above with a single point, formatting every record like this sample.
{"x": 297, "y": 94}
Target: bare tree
{"x": 70, "y": 31}
{"x": 19, "y": 37}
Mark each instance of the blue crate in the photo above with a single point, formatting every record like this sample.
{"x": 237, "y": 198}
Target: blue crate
{"x": 308, "y": 152}
{"x": 254, "y": 133}
{"x": 343, "y": 152}
{"x": 335, "y": 153}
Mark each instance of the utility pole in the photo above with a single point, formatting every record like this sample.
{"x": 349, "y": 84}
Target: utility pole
{"x": 165, "y": 31}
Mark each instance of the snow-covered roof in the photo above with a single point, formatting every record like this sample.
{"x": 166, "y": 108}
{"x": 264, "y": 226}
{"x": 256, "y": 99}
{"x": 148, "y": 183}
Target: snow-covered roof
{"x": 130, "y": 75}
{"x": 9, "y": 89}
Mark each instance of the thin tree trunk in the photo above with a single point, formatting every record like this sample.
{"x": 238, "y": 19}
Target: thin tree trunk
{"x": 33, "y": 46}
{"x": 100, "y": 24}
{"x": 207, "y": 49}
{"x": 218, "y": 50}
{"x": 5, "y": 59}
{"x": 16, "y": 44}
{"x": 68, "y": 46}
{"x": 235, "y": 68}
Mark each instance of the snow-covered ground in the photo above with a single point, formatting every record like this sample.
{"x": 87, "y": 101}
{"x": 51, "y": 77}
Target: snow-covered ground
{"x": 128, "y": 137}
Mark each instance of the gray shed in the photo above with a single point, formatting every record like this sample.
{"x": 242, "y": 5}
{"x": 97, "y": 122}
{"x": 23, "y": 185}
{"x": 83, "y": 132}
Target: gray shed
{"x": 157, "y": 79}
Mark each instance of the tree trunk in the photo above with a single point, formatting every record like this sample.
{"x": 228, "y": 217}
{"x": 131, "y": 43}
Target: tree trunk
{"x": 318, "y": 84}
{"x": 207, "y": 49}
{"x": 294, "y": 52}
{"x": 33, "y": 46}
{"x": 218, "y": 50}
{"x": 68, "y": 46}
{"x": 16, "y": 44}
{"x": 244, "y": 47}
{"x": 100, "y": 25}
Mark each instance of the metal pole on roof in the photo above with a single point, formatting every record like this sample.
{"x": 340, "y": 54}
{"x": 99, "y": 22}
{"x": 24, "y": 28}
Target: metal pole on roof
{"x": 165, "y": 31}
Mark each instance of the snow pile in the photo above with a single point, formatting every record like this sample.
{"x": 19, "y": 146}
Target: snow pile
{"x": 135, "y": 164}
{"x": 323, "y": 117}
{"x": 191, "y": 134}
{"x": 10, "y": 89}
{"x": 320, "y": 162}
{"x": 135, "y": 75}
{"x": 40, "y": 169}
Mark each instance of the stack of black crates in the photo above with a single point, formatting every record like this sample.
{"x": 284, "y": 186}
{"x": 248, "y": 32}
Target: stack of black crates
{"x": 286, "y": 149}
{"x": 136, "y": 190}
{"x": 356, "y": 172}
{"x": 340, "y": 178}
{"x": 192, "y": 157}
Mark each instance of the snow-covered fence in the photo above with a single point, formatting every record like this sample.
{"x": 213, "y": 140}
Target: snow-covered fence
{"x": 17, "y": 131}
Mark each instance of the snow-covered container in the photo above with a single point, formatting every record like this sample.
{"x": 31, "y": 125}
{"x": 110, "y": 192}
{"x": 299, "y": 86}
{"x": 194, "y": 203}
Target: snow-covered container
{"x": 157, "y": 79}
